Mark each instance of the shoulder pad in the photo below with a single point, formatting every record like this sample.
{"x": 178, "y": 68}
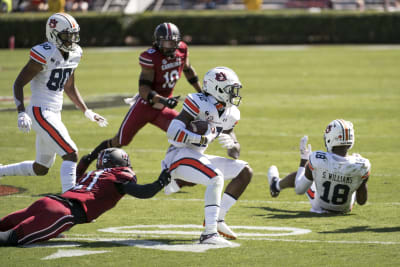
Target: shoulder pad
{"x": 192, "y": 104}
{"x": 42, "y": 52}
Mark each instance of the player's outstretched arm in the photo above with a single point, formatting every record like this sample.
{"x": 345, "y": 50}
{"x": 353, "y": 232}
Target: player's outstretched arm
{"x": 147, "y": 190}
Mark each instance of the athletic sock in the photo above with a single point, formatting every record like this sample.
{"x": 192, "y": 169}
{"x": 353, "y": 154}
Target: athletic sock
{"x": 211, "y": 215}
{"x": 68, "y": 175}
{"x": 24, "y": 168}
{"x": 8, "y": 238}
{"x": 226, "y": 203}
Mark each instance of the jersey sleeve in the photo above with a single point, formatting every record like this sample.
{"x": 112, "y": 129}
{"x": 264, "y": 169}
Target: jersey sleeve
{"x": 41, "y": 53}
{"x": 124, "y": 175}
{"x": 317, "y": 159}
{"x": 146, "y": 60}
{"x": 365, "y": 167}
{"x": 191, "y": 105}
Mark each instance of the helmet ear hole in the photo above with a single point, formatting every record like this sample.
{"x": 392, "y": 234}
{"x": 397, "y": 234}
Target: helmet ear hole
{"x": 220, "y": 90}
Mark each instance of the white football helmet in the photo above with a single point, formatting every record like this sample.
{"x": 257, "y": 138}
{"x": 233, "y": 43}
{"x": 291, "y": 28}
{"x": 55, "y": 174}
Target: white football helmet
{"x": 339, "y": 133}
{"x": 223, "y": 84}
{"x": 63, "y": 31}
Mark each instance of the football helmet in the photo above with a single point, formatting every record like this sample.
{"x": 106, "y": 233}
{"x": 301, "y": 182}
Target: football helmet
{"x": 63, "y": 31}
{"x": 167, "y": 38}
{"x": 223, "y": 84}
{"x": 113, "y": 157}
{"x": 339, "y": 133}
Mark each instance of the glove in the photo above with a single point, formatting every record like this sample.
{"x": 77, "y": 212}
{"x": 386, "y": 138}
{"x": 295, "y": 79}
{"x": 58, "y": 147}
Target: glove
{"x": 164, "y": 178}
{"x": 93, "y": 116}
{"x": 226, "y": 141}
{"x": 24, "y": 122}
{"x": 209, "y": 136}
{"x": 305, "y": 151}
{"x": 170, "y": 102}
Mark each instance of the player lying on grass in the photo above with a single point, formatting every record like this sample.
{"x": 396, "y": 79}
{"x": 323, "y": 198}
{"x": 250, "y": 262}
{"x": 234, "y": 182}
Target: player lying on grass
{"x": 333, "y": 180}
{"x": 95, "y": 193}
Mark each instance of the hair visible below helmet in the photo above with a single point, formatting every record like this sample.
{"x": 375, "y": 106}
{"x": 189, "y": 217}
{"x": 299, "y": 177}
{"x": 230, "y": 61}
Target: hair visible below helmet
{"x": 112, "y": 157}
{"x": 223, "y": 84}
{"x": 167, "y": 32}
{"x": 63, "y": 31}
{"x": 339, "y": 133}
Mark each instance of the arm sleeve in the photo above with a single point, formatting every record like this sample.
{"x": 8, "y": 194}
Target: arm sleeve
{"x": 141, "y": 191}
{"x": 301, "y": 183}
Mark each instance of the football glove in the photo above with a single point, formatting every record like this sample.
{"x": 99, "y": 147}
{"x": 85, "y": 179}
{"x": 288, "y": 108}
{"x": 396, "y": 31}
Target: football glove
{"x": 210, "y": 135}
{"x": 93, "y": 116}
{"x": 164, "y": 178}
{"x": 305, "y": 150}
{"x": 170, "y": 102}
{"x": 226, "y": 141}
{"x": 24, "y": 122}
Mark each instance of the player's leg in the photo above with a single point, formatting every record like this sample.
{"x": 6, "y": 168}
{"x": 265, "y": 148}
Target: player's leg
{"x": 43, "y": 220}
{"x": 164, "y": 118}
{"x": 276, "y": 184}
{"x": 240, "y": 174}
{"x": 138, "y": 115}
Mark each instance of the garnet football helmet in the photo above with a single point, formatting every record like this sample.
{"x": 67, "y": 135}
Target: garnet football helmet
{"x": 167, "y": 38}
{"x": 223, "y": 84}
{"x": 113, "y": 157}
{"x": 63, "y": 31}
{"x": 339, "y": 133}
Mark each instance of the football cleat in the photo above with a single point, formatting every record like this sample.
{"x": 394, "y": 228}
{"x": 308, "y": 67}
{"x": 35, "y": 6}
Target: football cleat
{"x": 214, "y": 239}
{"x": 273, "y": 179}
{"x": 225, "y": 231}
{"x": 83, "y": 165}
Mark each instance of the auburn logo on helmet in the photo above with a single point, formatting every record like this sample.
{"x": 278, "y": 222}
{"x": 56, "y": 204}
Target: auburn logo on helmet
{"x": 53, "y": 23}
{"x": 220, "y": 76}
{"x": 328, "y": 129}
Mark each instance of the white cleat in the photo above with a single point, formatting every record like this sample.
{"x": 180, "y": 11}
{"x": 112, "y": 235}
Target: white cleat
{"x": 171, "y": 188}
{"x": 214, "y": 239}
{"x": 225, "y": 231}
{"x": 273, "y": 179}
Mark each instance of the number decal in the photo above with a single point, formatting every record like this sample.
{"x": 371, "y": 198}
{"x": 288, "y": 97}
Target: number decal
{"x": 90, "y": 186}
{"x": 46, "y": 46}
{"x": 58, "y": 78}
{"x": 340, "y": 193}
{"x": 170, "y": 79}
{"x": 320, "y": 155}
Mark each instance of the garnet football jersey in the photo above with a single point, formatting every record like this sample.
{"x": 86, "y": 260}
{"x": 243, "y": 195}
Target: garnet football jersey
{"x": 97, "y": 191}
{"x": 167, "y": 71}
{"x": 48, "y": 85}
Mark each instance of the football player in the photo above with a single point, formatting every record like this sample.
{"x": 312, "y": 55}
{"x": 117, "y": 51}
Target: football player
{"x": 333, "y": 180}
{"x": 95, "y": 193}
{"x": 218, "y": 105}
{"x": 161, "y": 68}
{"x": 51, "y": 71}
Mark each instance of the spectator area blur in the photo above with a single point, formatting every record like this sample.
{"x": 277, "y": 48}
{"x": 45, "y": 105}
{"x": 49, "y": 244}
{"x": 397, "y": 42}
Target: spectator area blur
{"x": 134, "y": 6}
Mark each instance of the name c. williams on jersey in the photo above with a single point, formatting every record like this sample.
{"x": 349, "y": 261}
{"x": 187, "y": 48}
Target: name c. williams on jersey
{"x": 337, "y": 178}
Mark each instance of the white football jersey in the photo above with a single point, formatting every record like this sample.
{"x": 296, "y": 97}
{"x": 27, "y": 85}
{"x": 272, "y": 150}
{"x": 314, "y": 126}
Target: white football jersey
{"x": 203, "y": 107}
{"x": 337, "y": 178}
{"x": 47, "y": 87}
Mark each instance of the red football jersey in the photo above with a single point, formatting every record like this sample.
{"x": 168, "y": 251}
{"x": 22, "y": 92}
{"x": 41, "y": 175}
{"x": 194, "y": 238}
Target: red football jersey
{"x": 97, "y": 192}
{"x": 167, "y": 71}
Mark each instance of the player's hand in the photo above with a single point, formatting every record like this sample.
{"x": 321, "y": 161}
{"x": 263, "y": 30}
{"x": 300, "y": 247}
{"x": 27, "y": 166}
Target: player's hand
{"x": 170, "y": 102}
{"x": 164, "y": 178}
{"x": 305, "y": 150}
{"x": 226, "y": 141}
{"x": 209, "y": 136}
{"x": 24, "y": 122}
{"x": 93, "y": 116}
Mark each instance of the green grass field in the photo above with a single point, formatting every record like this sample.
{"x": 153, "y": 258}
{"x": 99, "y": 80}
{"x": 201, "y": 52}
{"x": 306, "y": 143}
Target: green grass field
{"x": 289, "y": 91}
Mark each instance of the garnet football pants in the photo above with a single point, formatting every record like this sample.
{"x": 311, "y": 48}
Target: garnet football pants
{"x": 44, "y": 219}
{"x": 139, "y": 115}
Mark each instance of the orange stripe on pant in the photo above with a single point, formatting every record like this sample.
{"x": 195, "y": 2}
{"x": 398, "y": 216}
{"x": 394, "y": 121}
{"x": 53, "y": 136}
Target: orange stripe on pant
{"x": 311, "y": 193}
{"x": 51, "y": 131}
{"x": 194, "y": 163}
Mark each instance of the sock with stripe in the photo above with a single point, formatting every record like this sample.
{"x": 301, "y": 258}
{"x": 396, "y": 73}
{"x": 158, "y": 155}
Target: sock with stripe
{"x": 24, "y": 168}
{"x": 226, "y": 203}
{"x": 68, "y": 175}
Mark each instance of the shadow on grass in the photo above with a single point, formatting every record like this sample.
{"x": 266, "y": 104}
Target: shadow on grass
{"x": 355, "y": 229}
{"x": 275, "y": 213}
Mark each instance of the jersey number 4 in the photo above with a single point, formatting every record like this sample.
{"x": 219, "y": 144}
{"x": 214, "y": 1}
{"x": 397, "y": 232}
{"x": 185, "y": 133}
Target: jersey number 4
{"x": 58, "y": 78}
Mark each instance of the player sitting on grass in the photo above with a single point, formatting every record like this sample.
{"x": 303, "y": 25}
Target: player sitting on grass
{"x": 333, "y": 180}
{"x": 95, "y": 193}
